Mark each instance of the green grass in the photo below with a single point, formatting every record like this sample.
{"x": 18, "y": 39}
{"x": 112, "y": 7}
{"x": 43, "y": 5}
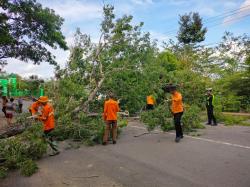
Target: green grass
{"x": 230, "y": 120}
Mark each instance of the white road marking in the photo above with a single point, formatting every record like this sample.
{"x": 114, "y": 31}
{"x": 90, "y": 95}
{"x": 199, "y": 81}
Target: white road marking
{"x": 197, "y": 138}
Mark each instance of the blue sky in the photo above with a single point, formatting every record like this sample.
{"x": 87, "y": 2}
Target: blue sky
{"x": 160, "y": 18}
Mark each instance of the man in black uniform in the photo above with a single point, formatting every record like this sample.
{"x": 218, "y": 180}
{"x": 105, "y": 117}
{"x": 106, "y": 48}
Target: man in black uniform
{"x": 210, "y": 107}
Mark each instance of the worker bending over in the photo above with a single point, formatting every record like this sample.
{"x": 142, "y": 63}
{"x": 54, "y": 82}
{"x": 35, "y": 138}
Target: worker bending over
{"x": 47, "y": 117}
{"x": 111, "y": 108}
{"x": 150, "y": 102}
{"x": 33, "y": 109}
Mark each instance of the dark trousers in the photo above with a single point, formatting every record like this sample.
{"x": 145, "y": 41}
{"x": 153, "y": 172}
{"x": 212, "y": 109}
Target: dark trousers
{"x": 20, "y": 106}
{"x": 4, "y": 110}
{"x": 150, "y": 107}
{"x": 49, "y": 139}
{"x": 177, "y": 124}
{"x": 210, "y": 115}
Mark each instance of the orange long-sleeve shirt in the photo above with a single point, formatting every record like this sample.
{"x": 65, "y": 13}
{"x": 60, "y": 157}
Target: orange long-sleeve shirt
{"x": 47, "y": 117}
{"x": 111, "y": 108}
{"x": 177, "y": 105}
{"x": 34, "y": 107}
{"x": 150, "y": 100}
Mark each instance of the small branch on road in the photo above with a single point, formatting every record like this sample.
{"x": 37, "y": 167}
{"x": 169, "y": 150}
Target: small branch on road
{"x": 66, "y": 183}
{"x": 145, "y": 134}
{"x": 85, "y": 177}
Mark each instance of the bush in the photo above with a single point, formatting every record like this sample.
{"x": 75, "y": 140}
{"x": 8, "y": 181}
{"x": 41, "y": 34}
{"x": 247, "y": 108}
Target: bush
{"x": 22, "y": 149}
{"x": 192, "y": 119}
{"x": 230, "y": 120}
{"x": 159, "y": 117}
{"x": 3, "y": 172}
{"x": 231, "y": 103}
{"x": 28, "y": 167}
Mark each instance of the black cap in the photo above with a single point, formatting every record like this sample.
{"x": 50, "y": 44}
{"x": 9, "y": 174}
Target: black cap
{"x": 169, "y": 87}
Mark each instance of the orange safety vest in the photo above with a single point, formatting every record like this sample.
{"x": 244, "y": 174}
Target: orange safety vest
{"x": 111, "y": 108}
{"x": 150, "y": 100}
{"x": 177, "y": 105}
{"x": 47, "y": 117}
{"x": 34, "y": 107}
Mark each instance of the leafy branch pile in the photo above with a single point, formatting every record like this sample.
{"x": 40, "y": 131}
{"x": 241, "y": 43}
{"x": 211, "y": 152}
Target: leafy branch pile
{"x": 191, "y": 118}
{"x": 162, "y": 118}
{"x": 127, "y": 62}
{"x": 159, "y": 117}
{"x": 19, "y": 152}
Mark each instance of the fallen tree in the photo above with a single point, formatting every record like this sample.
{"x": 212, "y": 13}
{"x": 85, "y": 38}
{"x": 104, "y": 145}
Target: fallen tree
{"x": 122, "y": 47}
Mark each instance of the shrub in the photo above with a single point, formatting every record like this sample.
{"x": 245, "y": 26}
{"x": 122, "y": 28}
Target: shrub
{"x": 229, "y": 120}
{"x": 159, "y": 117}
{"x": 191, "y": 118}
{"x": 20, "y": 150}
{"x": 3, "y": 172}
{"x": 28, "y": 167}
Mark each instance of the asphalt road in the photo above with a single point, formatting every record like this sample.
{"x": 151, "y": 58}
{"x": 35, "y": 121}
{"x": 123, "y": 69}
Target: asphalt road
{"x": 218, "y": 158}
{"x": 3, "y": 122}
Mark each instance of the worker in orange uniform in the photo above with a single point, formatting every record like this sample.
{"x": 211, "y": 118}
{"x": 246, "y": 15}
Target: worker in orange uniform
{"x": 47, "y": 117}
{"x": 33, "y": 109}
{"x": 177, "y": 111}
{"x": 150, "y": 102}
{"x": 111, "y": 108}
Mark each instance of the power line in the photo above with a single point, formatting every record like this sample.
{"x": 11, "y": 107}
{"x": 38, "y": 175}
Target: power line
{"x": 220, "y": 16}
{"x": 228, "y": 21}
{"x": 215, "y": 18}
{"x": 229, "y": 12}
{"x": 207, "y": 22}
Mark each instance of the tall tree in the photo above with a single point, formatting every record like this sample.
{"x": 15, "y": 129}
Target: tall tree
{"x": 27, "y": 29}
{"x": 232, "y": 53}
{"x": 191, "y": 29}
{"x": 115, "y": 62}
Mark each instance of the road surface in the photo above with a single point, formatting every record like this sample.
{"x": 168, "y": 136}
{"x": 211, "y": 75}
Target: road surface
{"x": 218, "y": 158}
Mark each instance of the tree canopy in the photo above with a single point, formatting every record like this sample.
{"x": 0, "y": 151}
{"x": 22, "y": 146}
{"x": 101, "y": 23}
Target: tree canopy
{"x": 27, "y": 30}
{"x": 191, "y": 29}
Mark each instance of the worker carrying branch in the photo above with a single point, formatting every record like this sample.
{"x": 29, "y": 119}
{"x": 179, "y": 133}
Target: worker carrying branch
{"x": 150, "y": 102}
{"x": 111, "y": 108}
{"x": 176, "y": 109}
{"x": 47, "y": 117}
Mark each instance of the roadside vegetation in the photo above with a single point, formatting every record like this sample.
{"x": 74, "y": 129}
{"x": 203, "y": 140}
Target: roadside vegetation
{"x": 127, "y": 62}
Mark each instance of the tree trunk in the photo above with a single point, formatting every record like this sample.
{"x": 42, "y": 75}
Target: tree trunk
{"x": 85, "y": 106}
{"x": 12, "y": 131}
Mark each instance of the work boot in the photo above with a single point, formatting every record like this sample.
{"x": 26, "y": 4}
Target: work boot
{"x": 177, "y": 139}
{"x": 54, "y": 153}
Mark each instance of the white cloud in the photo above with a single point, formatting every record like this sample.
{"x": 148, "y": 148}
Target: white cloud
{"x": 244, "y": 10}
{"x": 142, "y": 2}
{"x": 178, "y": 2}
{"x": 230, "y": 4}
{"x": 76, "y": 10}
{"x": 44, "y": 70}
{"x": 159, "y": 37}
